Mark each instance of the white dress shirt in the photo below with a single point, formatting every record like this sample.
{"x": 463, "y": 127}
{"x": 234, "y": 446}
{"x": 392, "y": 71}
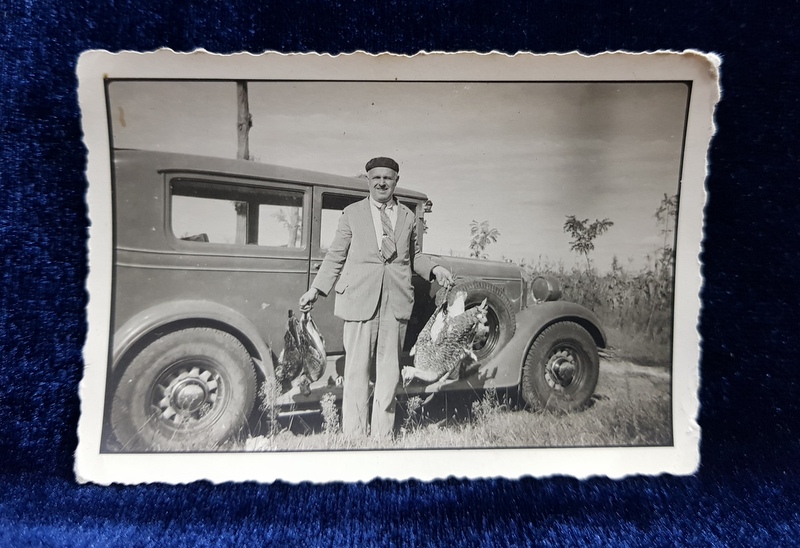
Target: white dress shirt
{"x": 391, "y": 211}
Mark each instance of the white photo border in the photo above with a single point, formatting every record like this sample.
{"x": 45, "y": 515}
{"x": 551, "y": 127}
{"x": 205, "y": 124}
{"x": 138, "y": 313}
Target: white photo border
{"x": 95, "y": 67}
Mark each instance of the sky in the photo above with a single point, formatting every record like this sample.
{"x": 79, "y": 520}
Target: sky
{"x": 522, "y": 156}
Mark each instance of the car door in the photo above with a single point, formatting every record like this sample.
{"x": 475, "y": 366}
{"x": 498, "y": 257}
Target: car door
{"x": 242, "y": 244}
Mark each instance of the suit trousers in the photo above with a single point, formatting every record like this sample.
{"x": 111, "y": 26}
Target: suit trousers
{"x": 372, "y": 345}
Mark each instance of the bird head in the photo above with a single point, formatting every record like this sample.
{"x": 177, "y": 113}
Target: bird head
{"x": 481, "y": 311}
{"x": 481, "y": 320}
{"x": 408, "y": 375}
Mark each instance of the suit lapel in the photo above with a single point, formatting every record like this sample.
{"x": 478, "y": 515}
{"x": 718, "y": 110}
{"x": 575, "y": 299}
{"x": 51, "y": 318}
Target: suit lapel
{"x": 402, "y": 220}
{"x": 368, "y": 225}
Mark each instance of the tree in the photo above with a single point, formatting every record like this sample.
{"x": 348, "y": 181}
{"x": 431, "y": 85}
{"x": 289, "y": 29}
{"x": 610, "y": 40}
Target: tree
{"x": 241, "y": 222}
{"x": 293, "y": 223}
{"x": 665, "y": 217}
{"x": 616, "y": 268}
{"x": 481, "y": 235}
{"x": 583, "y": 234}
{"x": 658, "y": 284}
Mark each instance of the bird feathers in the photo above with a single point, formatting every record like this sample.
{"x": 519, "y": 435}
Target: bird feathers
{"x": 445, "y": 343}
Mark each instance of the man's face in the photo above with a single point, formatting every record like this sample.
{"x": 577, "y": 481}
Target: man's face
{"x": 382, "y": 182}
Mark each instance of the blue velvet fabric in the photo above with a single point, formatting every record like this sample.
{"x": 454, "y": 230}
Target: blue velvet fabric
{"x": 746, "y": 491}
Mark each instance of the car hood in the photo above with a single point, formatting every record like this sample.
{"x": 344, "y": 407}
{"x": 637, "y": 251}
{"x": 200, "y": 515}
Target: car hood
{"x": 465, "y": 267}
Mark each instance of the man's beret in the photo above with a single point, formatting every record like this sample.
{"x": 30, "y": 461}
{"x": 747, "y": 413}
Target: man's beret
{"x": 382, "y": 162}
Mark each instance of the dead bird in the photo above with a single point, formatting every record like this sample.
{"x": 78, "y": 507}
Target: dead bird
{"x": 290, "y": 360}
{"x": 303, "y": 358}
{"x": 444, "y": 347}
{"x": 316, "y": 359}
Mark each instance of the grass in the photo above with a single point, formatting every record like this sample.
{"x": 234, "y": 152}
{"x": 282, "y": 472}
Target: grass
{"x": 638, "y": 348}
{"x": 631, "y": 407}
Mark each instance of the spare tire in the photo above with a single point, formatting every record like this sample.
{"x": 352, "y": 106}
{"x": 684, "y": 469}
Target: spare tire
{"x": 500, "y": 316}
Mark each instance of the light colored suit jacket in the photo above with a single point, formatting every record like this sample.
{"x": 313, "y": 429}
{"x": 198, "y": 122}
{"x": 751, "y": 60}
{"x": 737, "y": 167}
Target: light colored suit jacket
{"x": 354, "y": 258}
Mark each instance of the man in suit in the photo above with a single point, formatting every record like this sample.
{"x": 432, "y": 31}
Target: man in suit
{"x": 372, "y": 255}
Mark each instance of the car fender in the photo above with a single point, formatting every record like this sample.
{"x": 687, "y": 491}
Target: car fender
{"x": 505, "y": 368}
{"x": 176, "y": 315}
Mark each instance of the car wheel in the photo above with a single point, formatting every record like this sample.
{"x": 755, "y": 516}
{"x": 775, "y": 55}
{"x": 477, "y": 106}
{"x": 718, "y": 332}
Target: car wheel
{"x": 500, "y": 316}
{"x": 561, "y": 368}
{"x": 190, "y": 390}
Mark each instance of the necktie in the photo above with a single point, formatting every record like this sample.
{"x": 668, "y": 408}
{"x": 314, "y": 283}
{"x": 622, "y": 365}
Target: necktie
{"x": 388, "y": 246}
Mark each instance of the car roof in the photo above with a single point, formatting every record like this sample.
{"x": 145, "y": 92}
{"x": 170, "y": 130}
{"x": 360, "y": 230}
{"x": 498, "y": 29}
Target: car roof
{"x": 169, "y": 162}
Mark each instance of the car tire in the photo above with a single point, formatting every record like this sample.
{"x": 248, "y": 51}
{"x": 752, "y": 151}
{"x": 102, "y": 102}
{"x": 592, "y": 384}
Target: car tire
{"x": 561, "y": 369}
{"x": 501, "y": 317}
{"x": 189, "y": 390}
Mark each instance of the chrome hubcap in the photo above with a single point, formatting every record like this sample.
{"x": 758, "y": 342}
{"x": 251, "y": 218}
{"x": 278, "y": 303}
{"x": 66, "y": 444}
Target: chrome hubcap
{"x": 189, "y": 393}
{"x": 188, "y": 396}
{"x": 561, "y": 369}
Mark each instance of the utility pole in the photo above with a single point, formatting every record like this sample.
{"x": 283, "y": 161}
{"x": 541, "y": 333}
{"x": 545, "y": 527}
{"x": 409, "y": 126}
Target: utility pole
{"x": 244, "y": 121}
{"x": 243, "y": 124}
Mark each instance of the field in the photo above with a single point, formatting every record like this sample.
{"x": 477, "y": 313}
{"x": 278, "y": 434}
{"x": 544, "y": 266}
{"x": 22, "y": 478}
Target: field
{"x": 634, "y": 308}
{"x": 631, "y": 407}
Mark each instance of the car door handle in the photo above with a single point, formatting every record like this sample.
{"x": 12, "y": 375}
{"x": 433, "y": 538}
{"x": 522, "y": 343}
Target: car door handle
{"x": 315, "y": 267}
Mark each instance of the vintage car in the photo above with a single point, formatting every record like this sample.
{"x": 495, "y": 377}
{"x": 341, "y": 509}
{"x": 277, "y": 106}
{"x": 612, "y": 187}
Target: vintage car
{"x": 210, "y": 255}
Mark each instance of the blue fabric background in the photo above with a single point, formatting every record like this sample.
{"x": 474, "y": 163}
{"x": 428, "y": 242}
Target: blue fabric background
{"x": 747, "y": 489}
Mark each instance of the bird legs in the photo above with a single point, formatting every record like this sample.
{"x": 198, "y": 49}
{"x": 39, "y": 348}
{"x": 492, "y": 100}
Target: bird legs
{"x": 410, "y": 373}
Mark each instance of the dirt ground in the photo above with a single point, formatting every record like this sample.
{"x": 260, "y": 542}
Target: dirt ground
{"x": 617, "y": 376}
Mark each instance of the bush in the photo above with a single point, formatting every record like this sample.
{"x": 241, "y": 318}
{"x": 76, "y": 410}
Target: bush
{"x": 269, "y": 393}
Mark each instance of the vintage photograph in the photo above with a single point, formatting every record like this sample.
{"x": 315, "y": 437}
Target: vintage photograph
{"x": 373, "y": 262}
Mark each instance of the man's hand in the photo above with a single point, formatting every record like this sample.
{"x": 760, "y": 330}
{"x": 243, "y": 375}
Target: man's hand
{"x": 443, "y": 277}
{"x": 308, "y": 299}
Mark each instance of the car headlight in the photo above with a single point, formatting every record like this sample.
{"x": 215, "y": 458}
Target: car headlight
{"x": 545, "y": 288}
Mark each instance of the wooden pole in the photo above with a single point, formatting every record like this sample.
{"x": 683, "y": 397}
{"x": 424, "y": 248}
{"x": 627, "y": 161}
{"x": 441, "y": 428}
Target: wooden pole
{"x": 243, "y": 124}
{"x": 244, "y": 121}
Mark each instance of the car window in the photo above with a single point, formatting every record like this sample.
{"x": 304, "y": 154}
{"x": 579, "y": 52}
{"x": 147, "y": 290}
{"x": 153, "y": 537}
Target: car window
{"x": 410, "y": 205}
{"x": 332, "y": 206}
{"x": 233, "y": 214}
